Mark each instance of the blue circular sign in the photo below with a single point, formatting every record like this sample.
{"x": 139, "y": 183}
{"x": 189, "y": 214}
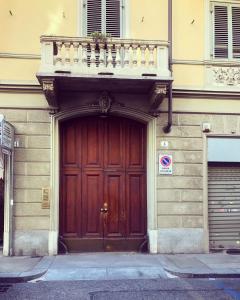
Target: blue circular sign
{"x": 165, "y": 161}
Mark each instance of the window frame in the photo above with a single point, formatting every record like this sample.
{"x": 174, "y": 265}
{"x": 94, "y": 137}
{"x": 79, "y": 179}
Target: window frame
{"x": 82, "y": 18}
{"x": 229, "y": 5}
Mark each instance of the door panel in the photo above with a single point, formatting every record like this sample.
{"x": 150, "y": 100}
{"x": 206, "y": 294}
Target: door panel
{"x": 136, "y": 204}
{"x": 93, "y": 143}
{"x": 114, "y": 197}
{"x": 91, "y": 205}
{"x": 114, "y": 144}
{"x": 103, "y": 184}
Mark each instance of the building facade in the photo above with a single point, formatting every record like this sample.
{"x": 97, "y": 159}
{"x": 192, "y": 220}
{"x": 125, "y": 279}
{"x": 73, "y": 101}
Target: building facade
{"x": 127, "y": 125}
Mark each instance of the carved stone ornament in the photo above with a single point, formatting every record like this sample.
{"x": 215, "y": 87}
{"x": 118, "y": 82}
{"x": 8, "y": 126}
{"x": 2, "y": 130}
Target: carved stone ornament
{"x": 227, "y": 75}
{"x": 105, "y": 102}
{"x": 49, "y": 91}
{"x": 157, "y": 95}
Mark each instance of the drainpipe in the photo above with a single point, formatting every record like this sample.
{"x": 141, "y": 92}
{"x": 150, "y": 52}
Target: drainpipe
{"x": 167, "y": 128}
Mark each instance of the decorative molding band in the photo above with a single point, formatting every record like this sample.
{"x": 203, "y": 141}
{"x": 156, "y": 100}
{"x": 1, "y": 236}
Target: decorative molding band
{"x": 177, "y": 93}
{"x": 226, "y": 76}
{"x": 19, "y": 55}
{"x": 223, "y": 63}
{"x": 20, "y": 88}
{"x": 205, "y": 94}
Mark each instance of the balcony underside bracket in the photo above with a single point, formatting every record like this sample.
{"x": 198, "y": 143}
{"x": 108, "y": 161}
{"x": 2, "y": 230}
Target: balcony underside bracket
{"x": 50, "y": 92}
{"x": 157, "y": 95}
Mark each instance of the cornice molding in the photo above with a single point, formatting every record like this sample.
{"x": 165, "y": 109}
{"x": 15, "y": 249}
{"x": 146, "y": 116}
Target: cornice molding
{"x": 19, "y": 55}
{"x": 177, "y": 93}
{"x": 20, "y": 88}
{"x": 205, "y": 94}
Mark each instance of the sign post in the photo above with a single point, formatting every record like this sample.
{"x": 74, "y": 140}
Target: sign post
{"x": 165, "y": 164}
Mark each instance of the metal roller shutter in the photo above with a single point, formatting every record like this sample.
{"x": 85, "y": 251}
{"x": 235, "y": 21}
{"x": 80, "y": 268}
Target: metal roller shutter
{"x": 224, "y": 206}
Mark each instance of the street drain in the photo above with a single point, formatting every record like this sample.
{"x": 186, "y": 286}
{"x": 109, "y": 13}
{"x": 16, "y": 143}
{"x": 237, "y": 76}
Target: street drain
{"x": 4, "y": 288}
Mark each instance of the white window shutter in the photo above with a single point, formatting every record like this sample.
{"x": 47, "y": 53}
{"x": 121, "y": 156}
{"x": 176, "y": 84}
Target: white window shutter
{"x": 104, "y": 16}
{"x": 220, "y": 31}
{"x": 94, "y": 16}
{"x": 236, "y": 32}
{"x": 113, "y": 13}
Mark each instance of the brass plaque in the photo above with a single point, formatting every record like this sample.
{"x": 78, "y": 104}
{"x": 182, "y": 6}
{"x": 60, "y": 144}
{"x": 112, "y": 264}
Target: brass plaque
{"x": 46, "y": 198}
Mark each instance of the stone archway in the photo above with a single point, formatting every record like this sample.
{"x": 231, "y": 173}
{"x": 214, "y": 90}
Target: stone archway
{"x": 151, "y": 168}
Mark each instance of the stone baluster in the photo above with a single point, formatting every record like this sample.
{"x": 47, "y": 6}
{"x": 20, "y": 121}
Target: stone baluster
{"x": 143, "y": 55}
{"x": 109, "y": 56}
{"x": 126, "y": 60}
{"x": 93, "y": 55}
{"x": 67, "y": 53}
{"x": 118, "y": 55}
{"x": 76, "y": 53}
{"x": 134, "y": 57}
{"x": 84, "y": 54}
{"x": 59, "y": 54}
{"x": 151, "y": 55}
{"x": 101, "y": 55}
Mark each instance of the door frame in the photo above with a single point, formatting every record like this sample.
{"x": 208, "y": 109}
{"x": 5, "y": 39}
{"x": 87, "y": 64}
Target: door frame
{"x": 8, "y": 202}
{"x": 151, "y": 169}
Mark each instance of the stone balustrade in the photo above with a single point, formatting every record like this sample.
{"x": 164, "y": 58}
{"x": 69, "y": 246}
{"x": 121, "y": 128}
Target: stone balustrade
{"x": 113, "y": 56}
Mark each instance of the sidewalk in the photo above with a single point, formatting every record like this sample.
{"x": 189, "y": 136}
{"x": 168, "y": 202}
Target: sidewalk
{"x": 100, "y": 266}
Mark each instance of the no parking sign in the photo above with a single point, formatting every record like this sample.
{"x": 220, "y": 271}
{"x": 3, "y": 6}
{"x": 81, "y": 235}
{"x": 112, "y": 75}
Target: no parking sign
{"x": 165, "y": 164}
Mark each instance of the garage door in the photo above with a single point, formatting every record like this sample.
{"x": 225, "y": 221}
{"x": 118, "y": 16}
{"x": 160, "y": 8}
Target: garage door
{"x": 224, "y": 205}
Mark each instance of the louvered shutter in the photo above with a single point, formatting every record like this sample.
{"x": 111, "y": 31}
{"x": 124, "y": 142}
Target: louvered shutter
{"x": 236, "y": 31}
{"x": 104, "y": 16}
{"x": 220, "y": 31}
{"x": 94, "y": 16}
{"x": 113, "y": 17}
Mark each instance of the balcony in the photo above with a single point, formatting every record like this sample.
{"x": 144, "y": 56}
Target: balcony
{"x": 113, "y": 64}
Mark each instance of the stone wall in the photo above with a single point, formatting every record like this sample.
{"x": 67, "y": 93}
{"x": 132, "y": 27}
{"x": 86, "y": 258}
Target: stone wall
{"x": 180, "y": 208}
{"x": 31, "y": 174}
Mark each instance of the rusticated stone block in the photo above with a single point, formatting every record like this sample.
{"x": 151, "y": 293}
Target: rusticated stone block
{"x": 169, "y": 221}
{"x": 28, "y": 155}
{"x": 38, "y": 116}
{"x": 192, "y": 195}
{"x": 31, "y": 223}
{"x": 32, "y": 128}
{"x": 168, "y": 195}
{"x": 179, "y": 182}
{"x": 192, "y": 221}
{"x": 39, "y": 142}
{"x": 29, "y": 210}
{"x": 37, "y": 168}
{"x": 31, "y": 182}
{"x": 14, "y": 115}
{"x": 183, "y": 208}
{"x": 29, "y": 196}
{"x": 178, "y": 143}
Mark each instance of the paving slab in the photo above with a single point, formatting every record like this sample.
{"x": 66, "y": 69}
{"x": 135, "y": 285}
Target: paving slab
{"x": 105, "y": 266}
{"x": 22, "y": 269}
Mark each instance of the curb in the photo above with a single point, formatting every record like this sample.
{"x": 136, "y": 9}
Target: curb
{"x": 39, "y": 270}
{"x": 201, "y": 275}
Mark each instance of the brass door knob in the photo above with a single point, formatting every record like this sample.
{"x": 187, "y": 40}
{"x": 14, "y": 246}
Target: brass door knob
{"x": 104, "y": 209}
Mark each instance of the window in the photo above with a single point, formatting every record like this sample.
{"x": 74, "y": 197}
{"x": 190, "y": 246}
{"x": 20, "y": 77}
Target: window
{"x": 105, "y": 16}
{"x": 226, "y": 31}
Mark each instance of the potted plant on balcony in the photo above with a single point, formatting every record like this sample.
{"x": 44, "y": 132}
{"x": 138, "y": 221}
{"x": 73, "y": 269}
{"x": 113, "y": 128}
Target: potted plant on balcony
{"x": 99, "y": 37}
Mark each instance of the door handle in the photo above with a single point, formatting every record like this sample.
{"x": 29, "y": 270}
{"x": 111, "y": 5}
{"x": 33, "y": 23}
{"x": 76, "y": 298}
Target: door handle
{"x": 104, "y": 209}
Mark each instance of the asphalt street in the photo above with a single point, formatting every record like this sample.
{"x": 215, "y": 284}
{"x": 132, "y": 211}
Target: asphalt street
{"x": 150, "y": 289}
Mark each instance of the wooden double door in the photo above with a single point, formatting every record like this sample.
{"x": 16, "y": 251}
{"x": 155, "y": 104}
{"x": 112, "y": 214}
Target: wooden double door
{"x": 103, "y": 184}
